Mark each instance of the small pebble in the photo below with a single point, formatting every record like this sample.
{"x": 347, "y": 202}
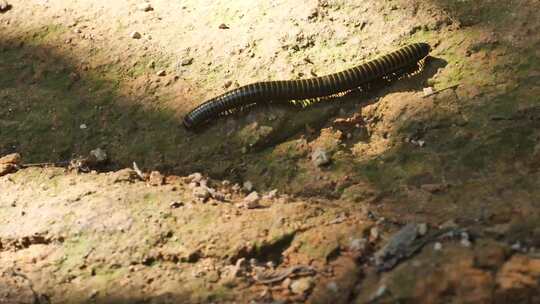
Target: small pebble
{"x": 358, "y": 245}
{"x": 4, "y": 6}
{"x": 195, "y": 177}
{"x": 271, "y": 195}
{"x": 333, "y": 287}
{"x": 422, "y": 229}
{"x": 83, "y": 126}
{"x": 176, "y": 204}
{"x": 320, "y": 158}
{"x": 248, "y": 186}
{"x": 252, "y": 200}
{"x": 437, "y": 246}
{"x": 465, "y": 243}
{"x": 155, "y": 179}
{"x": 187, "y": 61}
{"x": 201, "y": 192}
{"x": 286, "y": 283}
{"x": 99, "y": 155}
{"x": 428, "y": 91}
{"x": 223, "y": 26}
{"x": 227, "y": 84}
{"x": 145, "y": 7}
{"x": 373, "y": 234}
{"x": 161, "y": 73}
{"x": 302, "y": 286}
{"x": 136, "y": 35}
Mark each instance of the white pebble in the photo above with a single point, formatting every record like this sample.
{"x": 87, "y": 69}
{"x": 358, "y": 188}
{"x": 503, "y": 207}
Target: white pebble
{"x": 422, "y": 229}
{"x": 248, "y": 186}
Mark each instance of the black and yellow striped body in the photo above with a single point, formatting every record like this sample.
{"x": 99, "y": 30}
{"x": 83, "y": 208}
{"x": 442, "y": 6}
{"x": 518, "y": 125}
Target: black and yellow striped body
{"x": 285, "y": 90}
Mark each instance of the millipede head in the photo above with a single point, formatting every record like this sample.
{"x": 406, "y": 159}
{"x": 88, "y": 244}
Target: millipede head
{"x": 188, "y": 122}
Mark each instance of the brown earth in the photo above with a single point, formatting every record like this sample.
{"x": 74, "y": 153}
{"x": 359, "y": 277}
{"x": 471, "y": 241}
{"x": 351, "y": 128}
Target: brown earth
{"x": 461, "y": 165}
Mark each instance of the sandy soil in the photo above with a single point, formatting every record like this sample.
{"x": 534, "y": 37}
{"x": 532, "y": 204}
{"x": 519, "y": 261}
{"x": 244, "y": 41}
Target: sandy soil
{"x": 425, "y": 199}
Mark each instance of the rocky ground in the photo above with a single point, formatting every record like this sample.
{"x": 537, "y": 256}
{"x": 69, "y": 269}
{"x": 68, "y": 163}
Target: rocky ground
{"x": 423, "y": 191}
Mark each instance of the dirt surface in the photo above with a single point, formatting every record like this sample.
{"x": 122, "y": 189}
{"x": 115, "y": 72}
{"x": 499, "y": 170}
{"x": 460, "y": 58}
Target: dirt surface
{"x": 397, "y": 195}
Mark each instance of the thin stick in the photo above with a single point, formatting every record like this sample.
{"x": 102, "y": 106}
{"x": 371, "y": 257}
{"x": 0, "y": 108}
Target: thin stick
{"x": 441, "y": 90}
{"x": 138, "y": 171}
{"x": 45, "y": 164}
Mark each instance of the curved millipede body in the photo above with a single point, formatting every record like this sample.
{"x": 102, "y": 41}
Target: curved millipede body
{"x": 288, "y": 90}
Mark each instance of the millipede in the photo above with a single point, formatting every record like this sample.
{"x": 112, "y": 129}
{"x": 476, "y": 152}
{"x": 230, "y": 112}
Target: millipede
{"x": 385, "y": 67}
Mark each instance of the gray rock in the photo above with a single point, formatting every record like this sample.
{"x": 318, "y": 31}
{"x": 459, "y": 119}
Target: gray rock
{"x": 99, "y": 155}
{"x": 320, "y": 157}
{"x": 400, "y": 246}
{"x": 161, "y": 73}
